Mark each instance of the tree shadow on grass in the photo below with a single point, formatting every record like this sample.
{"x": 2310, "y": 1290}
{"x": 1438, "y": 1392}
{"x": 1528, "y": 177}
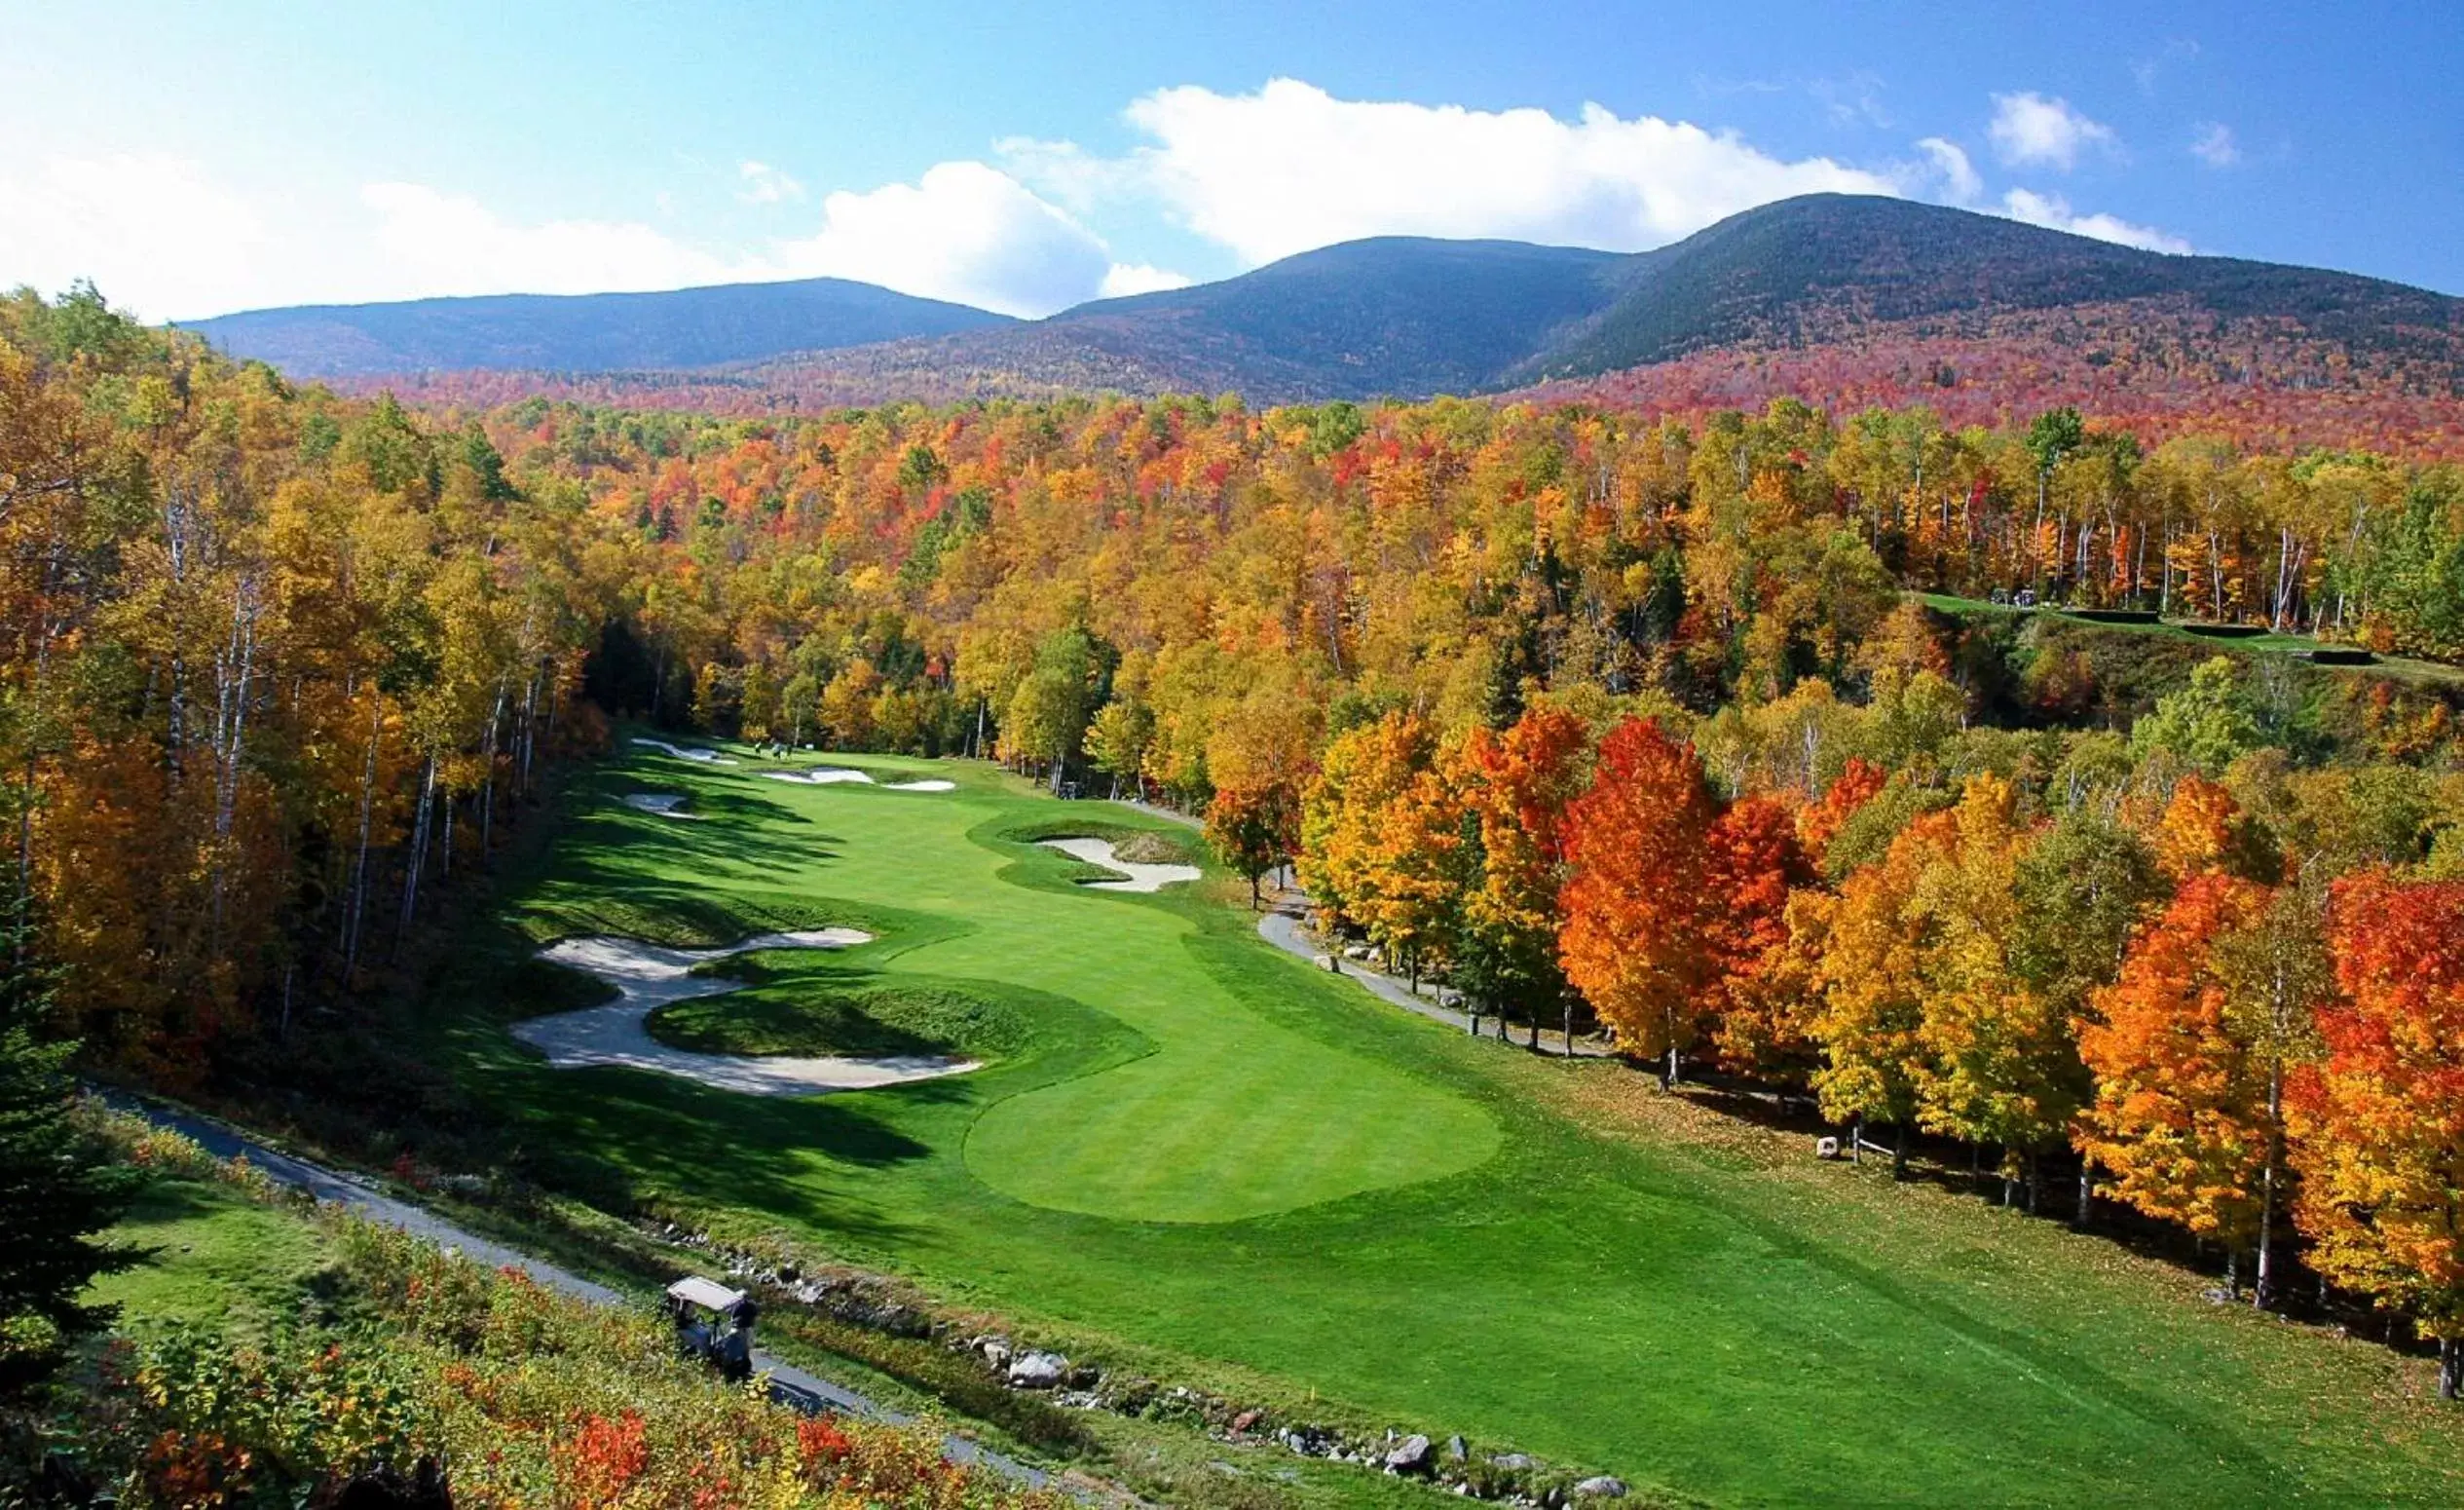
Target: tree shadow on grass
{"x": 588, "y": 901}
{"x": 640, "y": 1132}
{"x": 648, "y": 843}
{"x": 745, "y": 806}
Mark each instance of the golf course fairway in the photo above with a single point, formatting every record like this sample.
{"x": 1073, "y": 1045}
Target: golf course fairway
{"x": 1188, "y": 1151}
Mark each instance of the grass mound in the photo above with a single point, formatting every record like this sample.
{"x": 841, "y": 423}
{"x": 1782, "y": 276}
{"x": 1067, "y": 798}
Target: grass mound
{"x": 535, "y": 988}
{"x": 1153, "y": 848}
{"x": 808, "y": 1012}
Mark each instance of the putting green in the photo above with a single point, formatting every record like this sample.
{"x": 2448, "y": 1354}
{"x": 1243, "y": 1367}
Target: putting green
{"x": 1230, "y": 1116}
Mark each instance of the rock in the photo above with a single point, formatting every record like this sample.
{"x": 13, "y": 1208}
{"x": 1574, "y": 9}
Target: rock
{"x": 1457, "y": 1449}
{"x": 385, "y": 1488}
{"x": 1245, "y": 1420}
{"x": 1409, "y": 1455}
{"x": 787, "y": 1273}
{"x": 1085, "y": 1375}
{"x": 1038, "y": 1371}
{"x": 1512, "y": 1462}
{"x": 1826, "y": 1148}
{"x": 1601, "y": 1487}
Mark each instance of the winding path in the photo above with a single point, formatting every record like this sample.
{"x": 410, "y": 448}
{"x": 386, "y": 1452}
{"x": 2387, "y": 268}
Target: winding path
{"x": 362, "y": 1198}
{"x": 1282, "y": 928}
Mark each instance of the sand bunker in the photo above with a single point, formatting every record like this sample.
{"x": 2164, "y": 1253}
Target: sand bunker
{"x": 819, "y": 776}
{"x": 1141, "y": 878}
{"x": 664, "y": 804}
{"x": 650, "y": 976}
{"x": 697, "y": 757}
{"x": 834, "y": 775}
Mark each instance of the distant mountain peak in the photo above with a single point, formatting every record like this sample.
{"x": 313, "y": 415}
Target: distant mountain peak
{"x": 1409, "y": 317}
{"x": 594, "y": 332}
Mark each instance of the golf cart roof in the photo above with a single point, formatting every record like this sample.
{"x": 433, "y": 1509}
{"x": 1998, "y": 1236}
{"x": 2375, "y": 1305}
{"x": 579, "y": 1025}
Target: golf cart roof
{"x": 693, "y": 1290}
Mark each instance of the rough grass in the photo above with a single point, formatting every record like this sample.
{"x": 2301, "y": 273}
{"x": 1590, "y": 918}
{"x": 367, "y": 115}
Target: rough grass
{"x": 214, "y": 1256}
{"x": 1364, "y": 1208}
{"x": 1153, "y": 847}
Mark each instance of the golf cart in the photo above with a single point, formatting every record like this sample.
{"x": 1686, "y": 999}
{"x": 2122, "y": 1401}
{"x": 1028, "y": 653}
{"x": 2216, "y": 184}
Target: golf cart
{"x": 715, "y": 1324}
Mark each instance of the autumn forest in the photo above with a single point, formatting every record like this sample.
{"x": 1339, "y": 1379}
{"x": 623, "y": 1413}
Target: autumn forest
{"x": 2080, "y": 808}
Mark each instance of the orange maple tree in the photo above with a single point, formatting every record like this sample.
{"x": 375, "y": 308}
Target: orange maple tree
{"x": 1634, "y": 940}
{"x": 1255, "y": 826}
{"x": 1751, "y": 863}
{"x": 2180, "y": 1116}
{"x": 1820, "y": 822}
{"x": 2380, "y": 1122}
{"x": 1518, "y": 786}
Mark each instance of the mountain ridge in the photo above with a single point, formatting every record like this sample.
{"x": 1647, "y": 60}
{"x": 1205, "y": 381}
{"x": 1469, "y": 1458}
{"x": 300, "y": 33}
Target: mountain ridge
{"x": 1409, "y": 317}
{"x": 679, "y": 329}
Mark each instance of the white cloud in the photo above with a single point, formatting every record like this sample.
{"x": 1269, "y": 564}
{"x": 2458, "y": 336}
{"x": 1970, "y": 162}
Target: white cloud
{"x": 164, "y": 237}
{"x": 1123, "y": 279}
{"x": 963, "y": 231}
{"x": 2215, "y": 146}
{"x": 154, "y": 232}
{"x": 1959, "y": 183}
{"x": 2028, "y": 128}
{"x": 432, "y": 242}
{"x": 1290, "y": 168}
{"x": 2053, "y": 212}
{"x": 763, "y": 185}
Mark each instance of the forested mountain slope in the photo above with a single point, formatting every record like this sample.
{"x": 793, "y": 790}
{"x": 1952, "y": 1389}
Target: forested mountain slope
{"x": 1828, "y": 298}
{"x": 599, "y": 332}
{"x": 1822, "y": 268}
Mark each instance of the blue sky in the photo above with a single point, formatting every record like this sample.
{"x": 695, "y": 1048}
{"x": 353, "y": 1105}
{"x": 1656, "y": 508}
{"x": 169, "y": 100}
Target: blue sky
{"x": 195, "y": 158}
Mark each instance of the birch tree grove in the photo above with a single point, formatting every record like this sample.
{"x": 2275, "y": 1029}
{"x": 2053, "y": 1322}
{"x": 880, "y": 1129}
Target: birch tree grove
{"x": 248, "y": 628}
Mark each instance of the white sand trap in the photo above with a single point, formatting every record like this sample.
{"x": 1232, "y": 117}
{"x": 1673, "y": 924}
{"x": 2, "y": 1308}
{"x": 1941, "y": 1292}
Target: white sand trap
{"x": 666, "y": 804}
{"x": 697, "y": 757}
{"x": 1141, "y": 878}
{"x": 833, "y": 776}
{"x": 650, "y": 976}
{"x": 820, "y": 775}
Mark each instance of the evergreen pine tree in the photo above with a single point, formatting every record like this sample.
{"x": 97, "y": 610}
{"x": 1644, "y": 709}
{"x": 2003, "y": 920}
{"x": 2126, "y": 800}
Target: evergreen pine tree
{"x": 57, "y": 1190}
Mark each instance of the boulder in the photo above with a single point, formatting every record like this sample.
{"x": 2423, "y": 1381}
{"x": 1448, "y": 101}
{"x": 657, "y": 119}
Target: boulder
{"x": 1038, "y": 1371}
{"x": 1409, "y": 1455}
{"x": 1601, "y": 1488}
{"x": 1511, "y": 1463}
{"x": 1457, "y": 1449}
{"x": 385, "y": 1487}
{"x": 1826, "y": 1148}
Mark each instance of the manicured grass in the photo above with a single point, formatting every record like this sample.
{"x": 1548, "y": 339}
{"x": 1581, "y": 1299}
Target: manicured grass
{"x": 1207, "y": 1155}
